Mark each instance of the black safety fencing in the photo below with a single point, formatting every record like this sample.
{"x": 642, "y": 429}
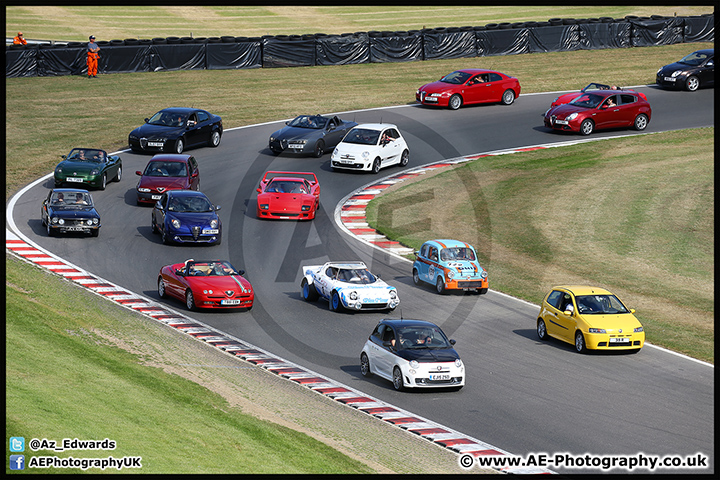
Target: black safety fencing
{"x": 275, "y": 51}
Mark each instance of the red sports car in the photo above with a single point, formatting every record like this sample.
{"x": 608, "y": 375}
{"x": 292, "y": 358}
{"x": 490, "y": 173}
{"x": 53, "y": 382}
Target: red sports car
{"x": 469, "y": 86}
{"x": 569, "y": 97}
{"x": 599, "y": 109}
{"x": 288, "y": 195}
{"x": 206, "y": 284}
{"x": 167, "y": 172}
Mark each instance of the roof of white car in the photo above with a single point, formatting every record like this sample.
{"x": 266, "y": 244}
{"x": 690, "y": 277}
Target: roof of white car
{"x": 376, "y": 126}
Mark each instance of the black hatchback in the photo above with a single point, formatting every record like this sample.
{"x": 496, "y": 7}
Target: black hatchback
{"x": 690, "y": 73}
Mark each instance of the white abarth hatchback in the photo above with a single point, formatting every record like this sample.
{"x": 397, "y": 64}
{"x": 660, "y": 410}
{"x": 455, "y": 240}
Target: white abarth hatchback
{"x": 370, "y": 147}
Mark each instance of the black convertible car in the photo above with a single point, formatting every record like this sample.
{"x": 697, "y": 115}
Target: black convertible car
{"x": 173, "y": 130}
{"x": 69, "y": 210}
{"x": 309, "y": 135}
{"x": 691, "y": 72}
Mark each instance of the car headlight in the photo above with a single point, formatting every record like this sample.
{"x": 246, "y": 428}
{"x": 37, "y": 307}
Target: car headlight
{"x": 638, "y": 329}
{"x": 207, "y": 292}
{"x": 414, "y": 364}
{"x": 61, "y": 221}
{"x": 676, "y": 73}
{"x": 305, "y": 208}
{"x": 95, "y": 221}
{"x": 264, "y": 206}
{"x": 365, "y": 155}
{"x": 353, "y": 295}
{"x": 435, "y": 95}
{"x": 458, "y": 363}
{"x": 393, "y": 294}
{"x": 132, "y": 137}
{"x": 95, "y": 171}
{"x": 596, "y": 330}
{"x": 58, "y": 170}
{"x": 272, "y": 139}
{"x": 144, "y": 190}
{"x": 572, "y": 116}
{"x": 90, "y": 222}
{"x": 54, "y": 220}
{"x": 175, "y": 223}
{"x": 483, "y": 274}
{"x": 335, "y": 152}
{"x": 547, "y": 111}
{"x": 450, "y": 274}
{"x": 213, "y": 223}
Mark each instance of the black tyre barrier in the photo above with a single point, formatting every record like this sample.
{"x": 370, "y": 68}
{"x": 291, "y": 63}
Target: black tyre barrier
{"x": 555, "y": 21}
{"x": 240, "y": 39}
{"x": 173, "y": 40}
{"x": 159, "y": 40}
{"x": 75, "y": 44}
{"x": 200, "y": 40}
{"x": 187, "y": 40}
{"x": 145, "y": 41}
{"x": 227, "y": 39}
{"x": 504, "y": 25}
{"x": 569, "y": 21}
{"x": 117, "y": 43}
{"x": 132, "y": 41}
{"x": 214, "y": 40}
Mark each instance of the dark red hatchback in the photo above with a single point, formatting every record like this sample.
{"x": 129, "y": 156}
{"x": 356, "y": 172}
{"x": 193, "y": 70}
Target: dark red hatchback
{"x": 600, "y": 109}
{"x": 167, "y": 172}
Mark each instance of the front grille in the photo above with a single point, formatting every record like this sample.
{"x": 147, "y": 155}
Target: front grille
{"x": 285, "y": 214}
{"x": 469, "y": 284}
{"x": 371, "y": 306}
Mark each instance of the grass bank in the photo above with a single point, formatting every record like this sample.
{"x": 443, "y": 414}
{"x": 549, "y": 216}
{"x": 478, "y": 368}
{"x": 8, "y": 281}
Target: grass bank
{"x": 612, "y": 213}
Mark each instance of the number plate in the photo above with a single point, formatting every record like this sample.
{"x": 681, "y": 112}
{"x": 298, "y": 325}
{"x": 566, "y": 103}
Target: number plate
{"x": 229, "y": 302}
{"x": 561, "y": 122}
{"x": 155, "y": 144}
{"x": 431, "y": 99}
{"x": 74, "y": 229}
{"x": 155, "y": 197}
{"x": 74, "y": 179}
{"x": 669, "y": 79}
{"x": 209, "y": 231}
{"x": 619, "y": 340}
{"x": 296, "y": 146}
{"x": 441, "y": 376}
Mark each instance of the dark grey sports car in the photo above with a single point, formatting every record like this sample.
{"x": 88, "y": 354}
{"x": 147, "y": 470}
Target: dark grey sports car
{"x": 690, "y": 73}
{"x": 172, "y": 130}
{"x": 309, "y": 135}
{"x": 69, "y": 210}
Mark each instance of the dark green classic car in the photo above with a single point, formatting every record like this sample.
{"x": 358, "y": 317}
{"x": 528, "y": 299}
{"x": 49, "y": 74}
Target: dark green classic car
{"x": 88, "y": 166}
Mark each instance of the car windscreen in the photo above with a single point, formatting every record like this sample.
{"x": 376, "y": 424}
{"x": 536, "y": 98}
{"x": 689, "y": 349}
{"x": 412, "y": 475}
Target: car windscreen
{"x": 166, "y": 169}
{"x": 457, "y": 253}
{"x": 588, "y": 100}
{"x": 418, "y": 337}
{"x": 359, "y": 276}
{"x": 600, "y": 305}
{"x": 86, "y": 155}
{"x": 168, "y": 119}
{"x": 195, "y": 204}
{"x": 456, "y": 78}
{"x": 286, "y": 186}
{"x": 308, "y": 121}
{"x": 695, "y": 58}
{"x": 362, "y": 136}
{"x": 210, "y": 269}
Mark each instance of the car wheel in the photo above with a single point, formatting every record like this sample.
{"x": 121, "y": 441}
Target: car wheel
{"x": 440, "y": 285}
{"x": 542, "y": 329}
{"x": 165, "y": 236}
{"x": 179, "y": 146}
{"x": 50, "y": 231}
{"x": 455, "y": 102}
{"x": 118, "y": 176}
{"x": 319, "y": 149}
{"x": 215, "y": 139}
{"x": 416, "y": 277}
{"x": 692, "y": 83}
{"x": 580, "y": 342}
{"x": 376, "y": 165}
{"x": 103, "y": 181}
{"x": 95, "y": 232}
{"x": 587, "y": 127}
{"x": 189, "y": 300}
{"x": 335, "y": 303}
{"x": 308, "y": 292}
{"x": 641, "y": 122}
{"x": 161, "y": 288}
{"x": 154, "y": 226}
{"x": 397, "y": 379}
{"x": 508, "y": 97}
{"x": 405, "y": 158}
{"x": 365, "y": 366}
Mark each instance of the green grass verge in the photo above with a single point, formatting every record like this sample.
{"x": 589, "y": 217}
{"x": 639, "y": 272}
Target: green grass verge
{"x": 613, "y": 212}
{"x": 65, "y": 380}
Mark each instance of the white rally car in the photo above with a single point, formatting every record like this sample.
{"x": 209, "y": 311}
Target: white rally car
{"x": 370, "y": 147}
{"x": 347, "y": 285}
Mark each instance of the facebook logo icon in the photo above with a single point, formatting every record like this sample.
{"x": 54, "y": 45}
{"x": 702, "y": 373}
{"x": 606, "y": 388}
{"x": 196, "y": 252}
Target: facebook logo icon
{"x": 17, "y": 462}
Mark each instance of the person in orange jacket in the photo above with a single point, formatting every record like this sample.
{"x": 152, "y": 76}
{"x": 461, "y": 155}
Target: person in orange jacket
{"x": 19, "y": 40}
{"x": 92, "y": 57}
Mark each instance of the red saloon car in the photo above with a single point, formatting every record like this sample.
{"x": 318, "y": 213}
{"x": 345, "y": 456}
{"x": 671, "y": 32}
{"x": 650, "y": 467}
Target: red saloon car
{"x": 469, "y": 86}
{"x": 167, "y": 172}
{"x": 569, "y": 97}
{"x": 206, "y": 284}
{"x": 600, "y": 109}
{"x": 288, "y": 195}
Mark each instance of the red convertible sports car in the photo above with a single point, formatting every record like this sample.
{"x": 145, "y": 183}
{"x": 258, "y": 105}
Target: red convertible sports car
{"x": 167, "y": 172}
{"x": 569, "y": 97}
{"x": 206, "y": 284}
{"x": 469, "y": 86}
{"x": 599, "y": 109}
{"x": 288, "y": 195}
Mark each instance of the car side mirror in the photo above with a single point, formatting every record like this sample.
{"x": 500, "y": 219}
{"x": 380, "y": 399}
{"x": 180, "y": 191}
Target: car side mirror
{"x": 195, "y": 174}
{"x": 568, "y": 313}
{"x": 180, "y": 273}
{"x": 63, "y": 157}
{"x": 452, "y": 342}
{"x": 241, "y": 272}
{"x": 158, "y": 205}
{"x": 711, "y": 63}
{"x": 387, "y": 343}
{"x": 138, "y": 172}
{"x": 217, "y": 207}
{"x": 632, "y": 310}
{"x": 258, "y": 189}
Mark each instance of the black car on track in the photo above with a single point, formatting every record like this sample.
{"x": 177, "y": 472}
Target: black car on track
{"x": 309, "y": 135}
{"x": 69, "y": 210}
{"x": 172, "y": 130}
{"x": 690, "y": 73}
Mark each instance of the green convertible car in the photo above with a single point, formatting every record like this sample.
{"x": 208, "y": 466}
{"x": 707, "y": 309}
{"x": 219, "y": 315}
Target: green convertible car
{"x": 88, "y": 166}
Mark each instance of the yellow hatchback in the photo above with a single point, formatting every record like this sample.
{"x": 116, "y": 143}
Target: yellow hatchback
{"x": 591, "y": 318}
